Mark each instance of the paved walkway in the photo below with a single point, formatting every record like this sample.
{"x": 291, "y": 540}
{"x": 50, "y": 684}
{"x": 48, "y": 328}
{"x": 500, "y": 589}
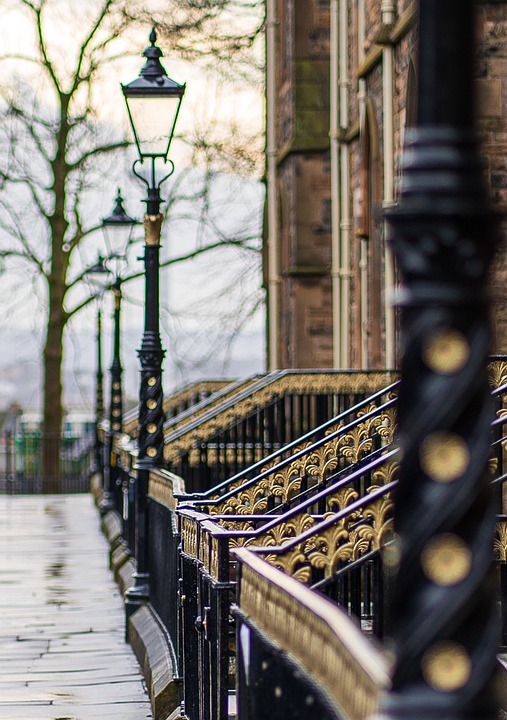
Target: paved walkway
{"x": 62, "y": 653}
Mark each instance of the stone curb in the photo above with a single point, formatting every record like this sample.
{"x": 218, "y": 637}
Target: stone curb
{"x": 112, "y": 528}
{"x": 118, "y": 556}
{"x": 152, "y": 647}
{"x": 150, "y": 643}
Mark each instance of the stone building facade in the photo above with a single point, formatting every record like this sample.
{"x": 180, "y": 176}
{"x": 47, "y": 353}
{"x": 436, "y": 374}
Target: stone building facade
{"x": 341, "y": 82}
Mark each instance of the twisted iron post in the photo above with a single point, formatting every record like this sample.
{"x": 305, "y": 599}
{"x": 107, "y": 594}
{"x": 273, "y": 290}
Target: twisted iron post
{"x": 151, "y": 411}
{"x": 99, "y": 398}
{"x": 116, "y": 396}
{"x": 444, "y": 628}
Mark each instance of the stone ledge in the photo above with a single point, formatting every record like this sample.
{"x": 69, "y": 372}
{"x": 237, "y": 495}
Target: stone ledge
{"x": 112, "y": 527}
{"x": 501, "y": 684}
{"x": 125, "y": 576}
{"x": 118, "y": 556}
{"x": 96, "y": 487}
{"x": 155, "y": 655}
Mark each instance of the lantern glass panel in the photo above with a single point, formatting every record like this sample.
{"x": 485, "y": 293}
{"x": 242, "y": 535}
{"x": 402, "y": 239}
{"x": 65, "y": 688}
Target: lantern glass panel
{"x": 117, "y": 237}
{"x": 153, "y": 120}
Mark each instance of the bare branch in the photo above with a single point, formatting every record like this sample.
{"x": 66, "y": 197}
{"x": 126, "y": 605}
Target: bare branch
{"x": 80, "y": 306}
{"x": 86, "y": 43}
{"x": 96, "y": 151}
{"x": 42, "y": 45}
{"x": 29, "y": 124}
{"x": 195, "y": 253}
{"x": 27, "y": 252}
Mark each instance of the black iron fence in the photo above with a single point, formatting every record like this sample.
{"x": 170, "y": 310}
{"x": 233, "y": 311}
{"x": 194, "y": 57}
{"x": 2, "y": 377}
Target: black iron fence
{"x": 21, "y": 463}
{"x": 298, "y": 655}
{"x": 239, "y": 430}
{"x": 317, "y": 511}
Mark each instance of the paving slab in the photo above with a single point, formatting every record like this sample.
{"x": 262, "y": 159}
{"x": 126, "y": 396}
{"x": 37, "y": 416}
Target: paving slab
{"x": 62, "y": 649}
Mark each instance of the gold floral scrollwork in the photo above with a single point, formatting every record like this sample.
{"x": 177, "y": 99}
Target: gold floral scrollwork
{"x": 500, "y": 541}
{"x": 358, "y": 442}
{"x": 497, "y": 373}
{"x": 322, "y": 461}
{"x": 341, "y": 498}
{"x": 254, "y": 498}
{"x": 213, "y": 568}
{"x": 323, "y": 383}
{"x": 212, "y": 455}
{"x": 314, "y": 466}
{"x": 283, "y": 532}
{"x": 189, "y": 536}
{"x": 214, "y": 509}
{"x": 492, "y": 466}
{"x": 330, "y": 548}
{"x": 292, "y": 563}
{"x": 387, "y": 426}
{"x": 194, "y": 457}
{"x": 346, "y": 540}
{"x": 236, "y": 525}
{"x": 385, "y": 474}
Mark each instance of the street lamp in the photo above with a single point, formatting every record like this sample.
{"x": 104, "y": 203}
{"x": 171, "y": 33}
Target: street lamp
{"x": 153, "y": 103}
{"x": 117, "y": 229}
{"x": 99, "y": 273}
{"x": 444, "y": 630}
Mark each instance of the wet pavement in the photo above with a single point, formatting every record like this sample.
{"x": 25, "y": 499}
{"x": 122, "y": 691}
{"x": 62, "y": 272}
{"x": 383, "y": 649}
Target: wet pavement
{"x": 62, "y": 651}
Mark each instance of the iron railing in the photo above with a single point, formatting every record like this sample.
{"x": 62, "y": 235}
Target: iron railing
{"x": 298, "y": 655}
{"x": 337, "y": 555}
{"x": 246, "y": 427}
{"x": 334, "y": 481}
{"x": 183, "y": 400}
{"x": 21, "y": 463}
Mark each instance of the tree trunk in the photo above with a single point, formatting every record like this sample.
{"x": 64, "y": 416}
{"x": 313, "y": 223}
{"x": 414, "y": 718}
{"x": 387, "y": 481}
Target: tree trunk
{"x": 53, "y": 410}
{"x": 57, "y": 317}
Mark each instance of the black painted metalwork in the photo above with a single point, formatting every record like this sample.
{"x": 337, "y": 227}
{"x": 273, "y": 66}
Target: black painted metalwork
{"x": 117, "y": 228}
{"x": 337, "y": 555}
{"x": 273, "y": 419}
{"x": 99, "y": 400}
{"x": 116, "y": 398}
{"x": 153, "y": 85}
{"x": 204, "y": 587}
{"x": 151, "y": 356}
{"x": 249, "y": 517}
{"x": 444, "y": 622}
{"x": 163, "y": 563}
{"x": 143, "y": 97}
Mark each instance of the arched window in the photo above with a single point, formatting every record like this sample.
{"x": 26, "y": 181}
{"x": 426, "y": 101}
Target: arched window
{"x": 411, "y": 101}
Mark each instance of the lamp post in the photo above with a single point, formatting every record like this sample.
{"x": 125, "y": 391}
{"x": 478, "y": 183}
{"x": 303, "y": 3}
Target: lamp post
{"x": 153, "y": 102}
{"x": 99, "y": 397}
{"x": 444, "y": 629}
{"x": 117, "y": 231}
{"x": 100, "y": 275}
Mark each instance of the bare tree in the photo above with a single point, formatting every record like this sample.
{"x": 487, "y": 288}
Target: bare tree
{"x": 55, "y": 149}
{"x": 222, "y": 33}
{"x": 49, "y": 141}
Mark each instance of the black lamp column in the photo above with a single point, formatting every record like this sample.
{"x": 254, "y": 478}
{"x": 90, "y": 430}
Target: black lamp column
{"x": 444, "y": 624}
{"x": 117, "y": 229}
{"x": 116, "y": 398}
{"x": 153, "y": 103}
{"x": 99, "y": 397}
{"x": 151, "y": 413}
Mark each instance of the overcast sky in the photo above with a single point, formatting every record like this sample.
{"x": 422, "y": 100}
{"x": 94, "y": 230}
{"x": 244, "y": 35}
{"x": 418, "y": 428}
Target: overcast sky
{"x": 206, "y": 100}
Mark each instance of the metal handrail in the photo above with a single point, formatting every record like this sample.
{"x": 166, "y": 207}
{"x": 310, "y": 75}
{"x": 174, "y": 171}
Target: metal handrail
{"x": 200, "y": 497}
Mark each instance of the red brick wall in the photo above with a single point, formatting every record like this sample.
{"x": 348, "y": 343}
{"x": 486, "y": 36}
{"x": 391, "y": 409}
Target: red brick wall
{"x": 303, "y": 56}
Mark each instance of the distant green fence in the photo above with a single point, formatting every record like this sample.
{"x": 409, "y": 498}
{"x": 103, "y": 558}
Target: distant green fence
{"x": 21, "y": 463}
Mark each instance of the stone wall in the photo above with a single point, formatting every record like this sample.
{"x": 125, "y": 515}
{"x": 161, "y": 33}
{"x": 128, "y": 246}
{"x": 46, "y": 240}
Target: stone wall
{"x": 492, "y": 123}
{"x": 304, "y": 179}
{"x": 304, "y": 185}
